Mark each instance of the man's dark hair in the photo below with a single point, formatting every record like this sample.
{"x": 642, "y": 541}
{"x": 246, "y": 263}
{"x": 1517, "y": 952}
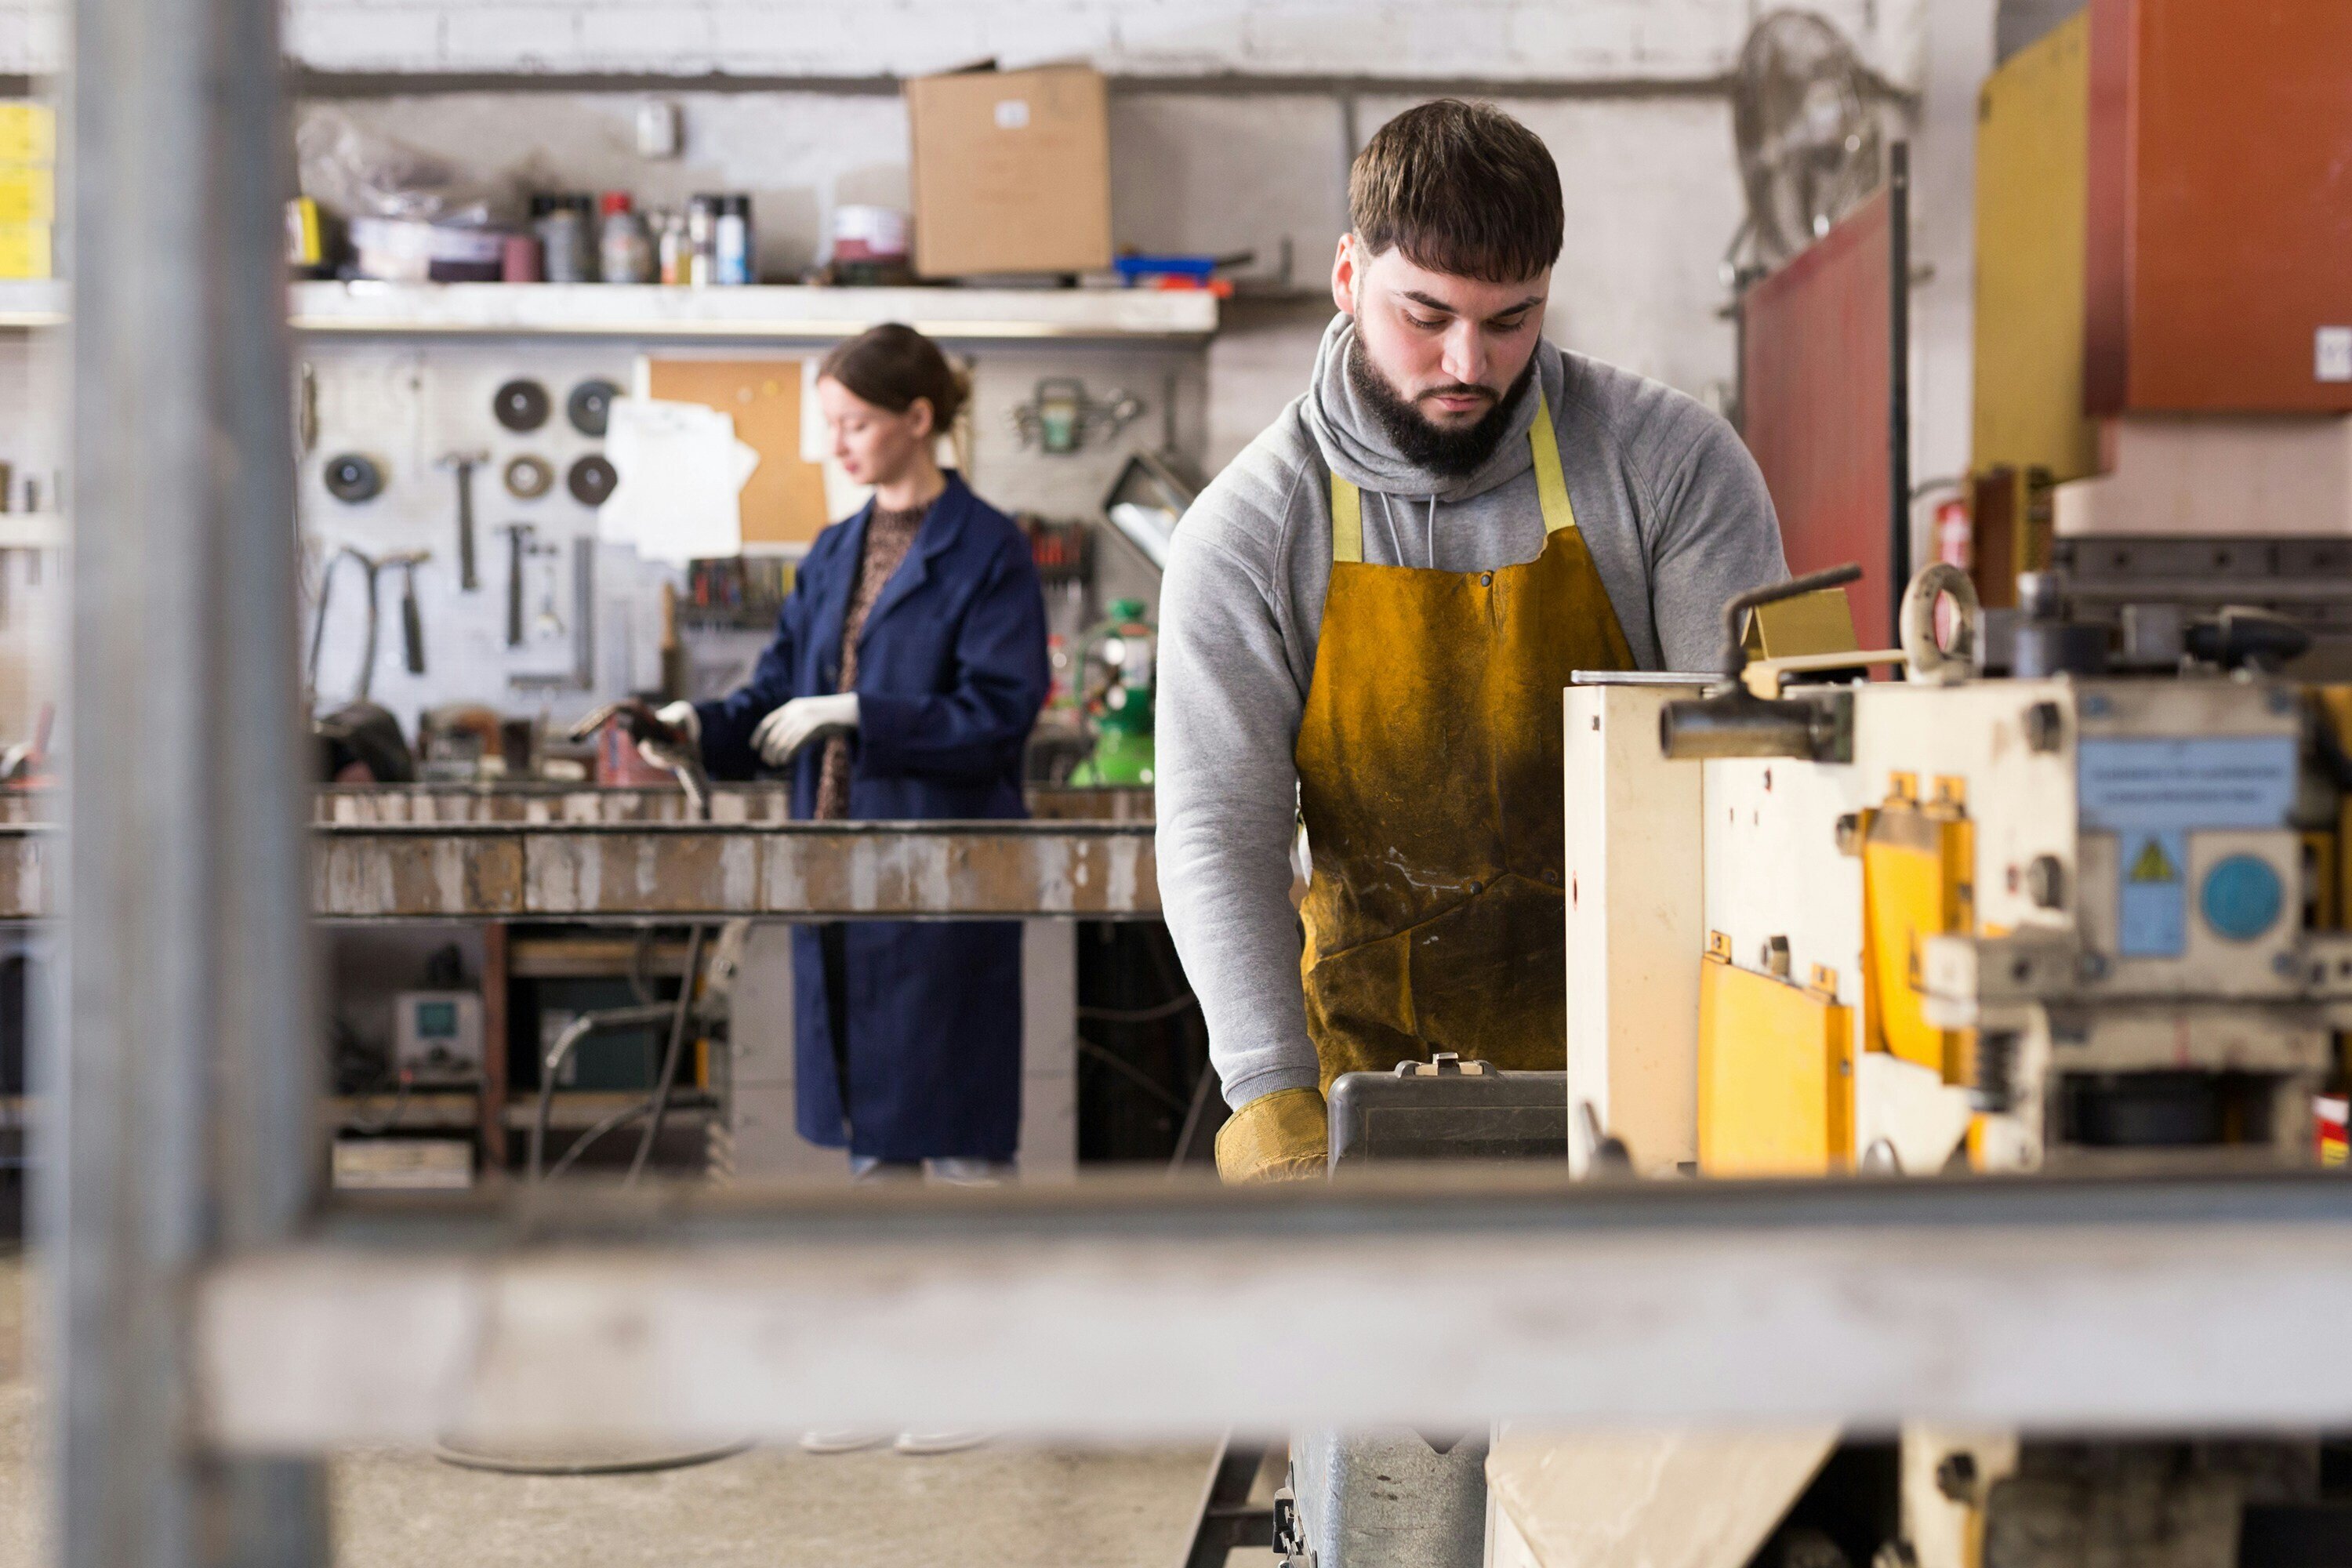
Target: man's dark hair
{"x": 1461, "y": 188}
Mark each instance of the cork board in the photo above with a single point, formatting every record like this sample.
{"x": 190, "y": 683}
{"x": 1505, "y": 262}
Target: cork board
{"x": 783, "y": 502}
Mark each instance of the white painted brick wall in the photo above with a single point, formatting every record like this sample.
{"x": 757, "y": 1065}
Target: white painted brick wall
{"x": 1512, "y": 39}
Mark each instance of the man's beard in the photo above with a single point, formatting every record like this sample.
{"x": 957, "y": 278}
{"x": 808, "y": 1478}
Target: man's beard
{"x": 1426, "y": 444}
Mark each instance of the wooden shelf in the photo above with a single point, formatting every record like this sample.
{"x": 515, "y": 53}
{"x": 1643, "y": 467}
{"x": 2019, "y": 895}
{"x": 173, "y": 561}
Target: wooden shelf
{"x": 761, "y": 314}
{"x": 436, "y": 1109}
{"x": 439, "y": 1111}
{"x": 577, "y": 1110}
{"x": 590, "y": 958}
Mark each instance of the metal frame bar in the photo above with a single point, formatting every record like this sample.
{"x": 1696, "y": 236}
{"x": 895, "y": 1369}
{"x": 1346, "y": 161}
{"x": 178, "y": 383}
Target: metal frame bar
{"x": 2081, "y": 1305}
{"x": 188, "y": 1079}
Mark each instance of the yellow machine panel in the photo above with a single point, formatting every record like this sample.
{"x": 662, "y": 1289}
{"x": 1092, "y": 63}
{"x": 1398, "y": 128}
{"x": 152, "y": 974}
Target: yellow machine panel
{"x": 2032, "y": 183}
{"x": 1818, "y": 622}
{"x": 1775, "y": 1075}
{"x": 1918, "y": 871}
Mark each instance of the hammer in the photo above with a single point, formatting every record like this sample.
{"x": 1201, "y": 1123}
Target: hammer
{"x": 465, "y": 462}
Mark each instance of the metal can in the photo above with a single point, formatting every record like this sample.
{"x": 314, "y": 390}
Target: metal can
{"x": 702, "y": 240}
{"x": 732, "y": 240}
{"x": 670, "y": 248}
{"x": 562, "y": 223}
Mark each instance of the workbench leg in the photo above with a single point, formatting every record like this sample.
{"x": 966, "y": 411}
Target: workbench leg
{"x": 1049, "y": 1050}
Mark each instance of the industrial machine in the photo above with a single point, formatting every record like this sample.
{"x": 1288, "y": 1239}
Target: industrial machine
{"x": 1825, "y": 925}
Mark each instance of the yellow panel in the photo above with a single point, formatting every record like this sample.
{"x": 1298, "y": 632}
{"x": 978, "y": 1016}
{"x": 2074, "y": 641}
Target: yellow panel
{"x": 28, "y": 193}
{"x": 1818, "y": 622}
{"x": 29, "y": 132}
{"x": 23, "y": 250}
{"x": 2032, "y": 162}
{"x": 1916, "y": 882}
{"x": 1775, "y": 1076}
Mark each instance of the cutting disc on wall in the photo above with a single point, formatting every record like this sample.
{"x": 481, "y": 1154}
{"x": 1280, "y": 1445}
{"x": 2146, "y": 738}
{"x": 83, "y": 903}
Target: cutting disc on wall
{"x": 528, "y": 478}
{"x": 520, "y": 405}
{"x": 591, "y": 481}
{"x": 352, "y": 477}
{"x": 590, "y": 406}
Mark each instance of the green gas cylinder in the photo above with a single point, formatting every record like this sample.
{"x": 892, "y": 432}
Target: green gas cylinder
{"x": 1120, "y": 666}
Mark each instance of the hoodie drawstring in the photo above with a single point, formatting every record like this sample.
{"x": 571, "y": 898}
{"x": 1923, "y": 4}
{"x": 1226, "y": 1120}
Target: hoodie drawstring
{"x": 1428, "y": 532}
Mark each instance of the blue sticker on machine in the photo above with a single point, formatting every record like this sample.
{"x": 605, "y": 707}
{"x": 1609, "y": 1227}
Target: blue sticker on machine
{"x": 2151, "y": 793}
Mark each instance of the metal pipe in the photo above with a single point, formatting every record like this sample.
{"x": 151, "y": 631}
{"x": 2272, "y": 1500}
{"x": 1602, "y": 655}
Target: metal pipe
{"x": 189, "y": 1078}
{"x": 1736, "y": 724}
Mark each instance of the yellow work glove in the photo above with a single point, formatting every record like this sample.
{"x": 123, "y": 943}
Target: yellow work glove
{"x": 1279, "y": 1137}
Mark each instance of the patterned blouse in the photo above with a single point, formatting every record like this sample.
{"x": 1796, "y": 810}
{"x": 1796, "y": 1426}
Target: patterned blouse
{"x": 887, "y": 536}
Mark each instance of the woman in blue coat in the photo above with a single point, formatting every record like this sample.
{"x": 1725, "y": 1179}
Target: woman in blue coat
{"x": 908, "y": 666}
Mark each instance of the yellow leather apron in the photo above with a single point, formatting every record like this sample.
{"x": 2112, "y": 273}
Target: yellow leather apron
{"x": 1429, "y": 782}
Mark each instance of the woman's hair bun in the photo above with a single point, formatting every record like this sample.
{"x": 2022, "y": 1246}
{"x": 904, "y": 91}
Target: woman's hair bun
{"x": 891, "y": 366}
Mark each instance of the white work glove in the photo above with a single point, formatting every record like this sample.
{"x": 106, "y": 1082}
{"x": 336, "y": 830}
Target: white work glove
{"x": 784, "y": 731}
{"x": 682, "y": 717}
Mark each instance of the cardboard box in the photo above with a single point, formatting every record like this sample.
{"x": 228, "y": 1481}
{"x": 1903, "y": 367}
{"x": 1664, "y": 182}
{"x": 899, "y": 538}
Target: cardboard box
{"x": 23, "y": 250}
{"x": 29, "y": 132}
{"x": 1012, "y": 171}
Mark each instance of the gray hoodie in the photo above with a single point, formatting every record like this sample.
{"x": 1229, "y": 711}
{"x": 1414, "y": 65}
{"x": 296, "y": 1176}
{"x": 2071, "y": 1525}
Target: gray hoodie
{"x": 1672, "y": 509}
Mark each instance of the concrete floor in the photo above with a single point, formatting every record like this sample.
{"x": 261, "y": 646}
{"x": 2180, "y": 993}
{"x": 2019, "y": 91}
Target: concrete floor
{"x": 1000, "y": 1506}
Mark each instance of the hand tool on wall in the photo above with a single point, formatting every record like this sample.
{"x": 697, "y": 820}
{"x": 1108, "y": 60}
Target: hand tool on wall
{"x": 412, "y": 621}
{"x": 547, "y": 624}
{"x": 518, "y": 552}
{"x": 306, "y": 410}
{"x": 464, "y": 463}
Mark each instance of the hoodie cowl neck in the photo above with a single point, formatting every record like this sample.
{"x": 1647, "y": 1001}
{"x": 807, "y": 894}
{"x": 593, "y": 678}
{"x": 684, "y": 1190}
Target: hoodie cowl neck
{"x": 1359, "y": 451}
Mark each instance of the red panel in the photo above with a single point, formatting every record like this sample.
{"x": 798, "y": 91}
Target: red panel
{"x": 2221, "y": 204}
{"x": 1816, "y": 390}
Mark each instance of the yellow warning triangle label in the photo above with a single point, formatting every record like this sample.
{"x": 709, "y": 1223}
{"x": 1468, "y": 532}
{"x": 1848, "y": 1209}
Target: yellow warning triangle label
{"x": 2154, "y": 865}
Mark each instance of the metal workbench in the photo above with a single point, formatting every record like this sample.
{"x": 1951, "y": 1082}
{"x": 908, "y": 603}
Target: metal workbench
{"x": 571, "y": 853}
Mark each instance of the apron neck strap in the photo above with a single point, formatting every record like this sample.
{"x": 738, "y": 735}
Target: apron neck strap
{"x": 1551, "y": 489}
{"x": 1551, "y": 483}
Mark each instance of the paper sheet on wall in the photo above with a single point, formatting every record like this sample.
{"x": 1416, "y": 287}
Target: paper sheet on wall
{"x": 681, "y": 476}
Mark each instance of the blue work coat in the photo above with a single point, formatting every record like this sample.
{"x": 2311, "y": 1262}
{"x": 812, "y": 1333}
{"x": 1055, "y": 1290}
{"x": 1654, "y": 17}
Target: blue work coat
{"x": 952, "y": 673}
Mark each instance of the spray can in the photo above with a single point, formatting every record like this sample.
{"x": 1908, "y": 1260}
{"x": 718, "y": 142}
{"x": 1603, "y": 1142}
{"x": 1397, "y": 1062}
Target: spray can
{"x": 732, "y": 240}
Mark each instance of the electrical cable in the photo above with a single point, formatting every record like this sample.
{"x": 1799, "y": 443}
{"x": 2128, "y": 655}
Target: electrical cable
{"x": 1132, "y": 1073}
{"x": 669, "y": 1058}
{"x": 581, "y": 1144}
{"x": 1140, "y": 1014}
{"x": 579, "y": 1029}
